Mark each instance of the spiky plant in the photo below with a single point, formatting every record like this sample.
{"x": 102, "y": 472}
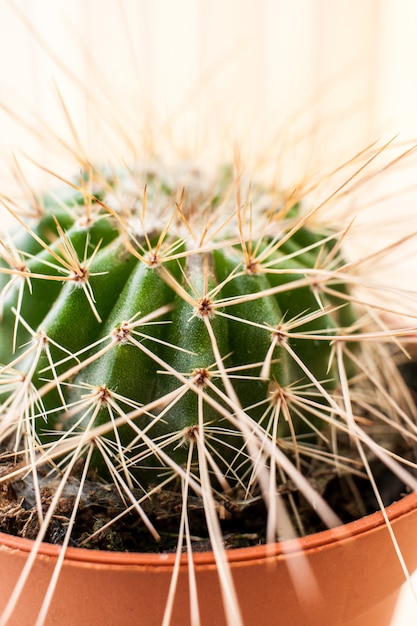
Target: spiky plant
{"x": 166, "y": 332}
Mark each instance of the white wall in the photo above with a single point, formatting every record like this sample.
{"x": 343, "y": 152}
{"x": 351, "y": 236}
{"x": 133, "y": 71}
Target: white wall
{"x": 210, "y": 71}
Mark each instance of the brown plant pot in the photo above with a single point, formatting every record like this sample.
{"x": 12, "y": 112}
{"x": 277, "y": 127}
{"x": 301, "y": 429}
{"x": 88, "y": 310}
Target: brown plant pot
{"x": 353, "y": 578}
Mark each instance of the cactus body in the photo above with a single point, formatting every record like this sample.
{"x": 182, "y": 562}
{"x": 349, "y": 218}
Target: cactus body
{"x": 175, "y": 333}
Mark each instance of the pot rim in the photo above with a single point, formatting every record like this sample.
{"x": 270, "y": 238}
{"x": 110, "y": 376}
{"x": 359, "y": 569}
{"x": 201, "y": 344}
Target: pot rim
{"x": 368, "y": 524}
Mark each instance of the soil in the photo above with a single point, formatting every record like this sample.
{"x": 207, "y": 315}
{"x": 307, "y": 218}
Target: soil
{"x": 242, "y": 520}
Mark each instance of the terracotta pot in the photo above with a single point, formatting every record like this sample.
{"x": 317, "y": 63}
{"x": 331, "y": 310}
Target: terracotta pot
{"x": 353, "y": 578}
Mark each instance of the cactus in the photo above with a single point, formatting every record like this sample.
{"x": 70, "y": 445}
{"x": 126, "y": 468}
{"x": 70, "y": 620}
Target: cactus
{"x": 201, "y": 312}
{"x": 163, "y": 331}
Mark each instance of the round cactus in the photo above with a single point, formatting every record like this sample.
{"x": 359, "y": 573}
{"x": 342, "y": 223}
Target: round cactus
{"x": 191, "y": 335}
{"x": 175, "y": 315}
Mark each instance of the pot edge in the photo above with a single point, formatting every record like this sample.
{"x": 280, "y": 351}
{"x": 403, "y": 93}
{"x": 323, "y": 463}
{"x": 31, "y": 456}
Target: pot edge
{"x": 370, "y": 523}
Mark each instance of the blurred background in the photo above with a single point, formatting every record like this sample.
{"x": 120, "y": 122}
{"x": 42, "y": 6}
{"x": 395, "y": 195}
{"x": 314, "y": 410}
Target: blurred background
{"x": 302, "y": 86}
{"x": 206, "y": 74}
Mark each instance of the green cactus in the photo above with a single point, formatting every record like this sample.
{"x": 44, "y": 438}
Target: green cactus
{"x": 165, "y": 332}
{"x": 146, "y": 307}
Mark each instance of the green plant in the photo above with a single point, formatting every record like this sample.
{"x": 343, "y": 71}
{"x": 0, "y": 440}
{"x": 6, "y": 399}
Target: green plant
{"x": 164, "y": 332}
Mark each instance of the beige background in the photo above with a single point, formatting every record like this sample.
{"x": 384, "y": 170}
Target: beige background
{"x": 306, "y": 82}
{"x": 212, "y": 71}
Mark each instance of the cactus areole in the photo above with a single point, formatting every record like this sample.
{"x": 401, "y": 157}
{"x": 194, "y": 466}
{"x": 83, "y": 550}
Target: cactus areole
{"x": 170, "y": 333}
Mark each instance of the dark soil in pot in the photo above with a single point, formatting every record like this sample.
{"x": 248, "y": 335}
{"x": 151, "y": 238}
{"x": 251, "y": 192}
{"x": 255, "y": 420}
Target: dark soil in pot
{"x": 243, "y": 521}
